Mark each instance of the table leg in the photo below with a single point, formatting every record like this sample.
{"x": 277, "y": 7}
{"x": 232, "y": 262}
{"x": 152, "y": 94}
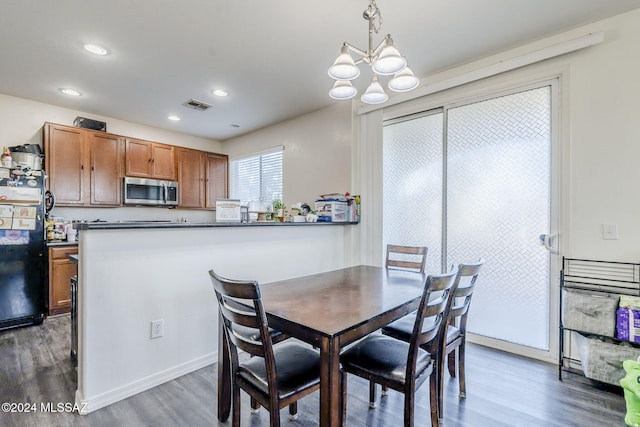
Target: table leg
{"x": 330, "y": 392}
{"x": 224, "y": 374}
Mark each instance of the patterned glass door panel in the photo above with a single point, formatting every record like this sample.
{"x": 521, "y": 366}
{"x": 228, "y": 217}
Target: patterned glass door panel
{"x": 412, "y": 185}
{"x": 498, "y": 204}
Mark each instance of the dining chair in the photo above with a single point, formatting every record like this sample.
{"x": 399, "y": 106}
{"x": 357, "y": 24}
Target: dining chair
{"x": 405, "y": 366}
{"x": 406, "y": 257}
{"x": 279, "y": 375}
{"x": 457, "y": 329}
{"x": 410, "y": 258}
{"x": 467, "y": 274}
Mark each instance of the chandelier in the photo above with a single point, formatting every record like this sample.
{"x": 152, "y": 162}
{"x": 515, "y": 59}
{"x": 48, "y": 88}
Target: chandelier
{"x": 384, "y": 60}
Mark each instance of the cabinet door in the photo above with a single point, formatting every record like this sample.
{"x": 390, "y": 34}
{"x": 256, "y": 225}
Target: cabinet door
{"x": 138, "y": 158}
{"x": 216, "y": 178}
{"x": 66, "y": 164}
{"x": 61, "y": 269}
{"x": 107, "y": 156}
{"x": 191, "y": 178}
{"x": 163, "y": 162}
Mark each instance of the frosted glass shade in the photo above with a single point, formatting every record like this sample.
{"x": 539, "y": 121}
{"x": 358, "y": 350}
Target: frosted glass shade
{"x": 404, "y": 81}
{"x": 374, "y": 94}
{"x": 342, "y": 89}
{"x": 344, "y": 68}
{"x": 389, "y": 61}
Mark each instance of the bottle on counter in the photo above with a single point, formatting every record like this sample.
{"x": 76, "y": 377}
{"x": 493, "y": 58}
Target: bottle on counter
{"x": 7, "y": 161}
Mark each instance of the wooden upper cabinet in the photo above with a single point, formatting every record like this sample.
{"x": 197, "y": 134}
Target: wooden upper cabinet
{"x": 66, "y": 158}
{"x": 147, "y": 159}
{"x": 84, "y": 166}
{"x": 216, "y": 178}
{"x": 191, "y": 176}
{"x": 107, "y": 158}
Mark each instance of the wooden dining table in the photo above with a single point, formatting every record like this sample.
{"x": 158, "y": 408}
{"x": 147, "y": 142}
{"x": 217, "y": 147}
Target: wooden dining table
{"x": 330, "y": 310}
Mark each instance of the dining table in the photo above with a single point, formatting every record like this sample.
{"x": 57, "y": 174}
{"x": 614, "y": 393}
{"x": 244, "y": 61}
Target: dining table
{"x": 330, "y": 310}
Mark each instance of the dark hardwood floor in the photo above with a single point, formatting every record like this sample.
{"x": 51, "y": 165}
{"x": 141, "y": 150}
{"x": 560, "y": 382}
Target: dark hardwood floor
{"x": 502, "y": 390}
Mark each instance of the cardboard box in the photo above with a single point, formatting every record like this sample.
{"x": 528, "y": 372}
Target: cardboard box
{"x": 628, "y": 324}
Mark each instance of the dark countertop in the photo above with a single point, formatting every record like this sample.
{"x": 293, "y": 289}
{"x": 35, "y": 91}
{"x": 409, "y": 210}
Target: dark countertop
{"x": 151, "y": 225}
{"x": 62, "y": 243}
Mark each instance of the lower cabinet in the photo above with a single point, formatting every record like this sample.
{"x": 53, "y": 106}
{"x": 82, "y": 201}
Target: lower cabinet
{"x": 61, "y": 269}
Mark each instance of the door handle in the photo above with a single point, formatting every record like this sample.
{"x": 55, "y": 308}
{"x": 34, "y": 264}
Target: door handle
{"x": 545, "y": 240}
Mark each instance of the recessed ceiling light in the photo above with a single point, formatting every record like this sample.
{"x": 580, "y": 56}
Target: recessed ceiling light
{"x": 174, "y": 118}
{"x": 220, "y": 92}
{"x": 95, "y": 49}
{"x": 70, "y": 92}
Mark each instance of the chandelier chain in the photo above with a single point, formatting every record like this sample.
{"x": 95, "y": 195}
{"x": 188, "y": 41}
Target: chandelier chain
{"x": 375, "y": 13}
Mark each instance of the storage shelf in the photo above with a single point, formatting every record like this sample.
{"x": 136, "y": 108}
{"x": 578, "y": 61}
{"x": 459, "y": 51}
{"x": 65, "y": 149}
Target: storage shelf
{"x": 598, "y": 277}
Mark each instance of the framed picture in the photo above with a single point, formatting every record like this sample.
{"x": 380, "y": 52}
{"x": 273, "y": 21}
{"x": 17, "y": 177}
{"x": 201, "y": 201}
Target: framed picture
{"x": 228, "y": 210}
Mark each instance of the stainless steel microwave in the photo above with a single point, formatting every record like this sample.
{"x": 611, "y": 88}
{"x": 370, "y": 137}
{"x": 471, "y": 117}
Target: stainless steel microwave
{"x": 150, "y": 192}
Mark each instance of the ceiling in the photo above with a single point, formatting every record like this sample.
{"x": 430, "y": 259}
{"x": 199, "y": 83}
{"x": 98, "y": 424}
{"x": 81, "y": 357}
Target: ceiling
{"x": 271, "y": 56}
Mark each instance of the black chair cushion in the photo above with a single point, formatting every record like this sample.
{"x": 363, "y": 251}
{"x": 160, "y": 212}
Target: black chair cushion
{"x": 403, "y": 328}
{"x": 297, "y": 367}
{"x": 383, "y": 357}
{"x": 452, "y": 333}
{"x": 254, "y": 334}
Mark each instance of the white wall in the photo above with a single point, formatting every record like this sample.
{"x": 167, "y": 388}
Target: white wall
{"x": 317, "y": 152}
{"x": 162, "y": 274}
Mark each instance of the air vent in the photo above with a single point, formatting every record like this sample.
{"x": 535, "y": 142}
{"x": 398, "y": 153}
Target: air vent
{"x": 197, "y": 105}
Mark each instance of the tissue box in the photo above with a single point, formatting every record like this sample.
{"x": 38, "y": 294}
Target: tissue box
{"x": 331, "y": 211}
{"x": 628, "y": 324}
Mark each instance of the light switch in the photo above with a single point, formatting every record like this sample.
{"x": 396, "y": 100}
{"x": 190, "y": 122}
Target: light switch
{"x": 609, "y": 231}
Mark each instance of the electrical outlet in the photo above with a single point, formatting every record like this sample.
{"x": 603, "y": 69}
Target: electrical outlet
{"x": 156, "y": 328}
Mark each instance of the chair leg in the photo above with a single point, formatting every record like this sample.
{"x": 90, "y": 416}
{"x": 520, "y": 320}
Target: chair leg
{"x": 439, "y": 373}
{"x": 293, "y": 411}
{"x": 372, "y": 394}
{"x": 463, "y": 387}
{"x": 235, "y": 421}
{"x": 274, "y": 416}
{"x": 409, "y": 397}
{"x": 343, "y": 388}
{"x": 255, "y": 406}
{"x": 452, "y": 362}
{"x": 433, "y": 399}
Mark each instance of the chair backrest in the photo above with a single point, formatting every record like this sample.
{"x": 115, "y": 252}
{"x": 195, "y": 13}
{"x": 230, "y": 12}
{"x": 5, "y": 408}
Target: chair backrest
{"x": 465, "y": 285}
{"x": 240, "y": 304}
{"x": 406, "y": 257}
{"x": 430, "y": 324}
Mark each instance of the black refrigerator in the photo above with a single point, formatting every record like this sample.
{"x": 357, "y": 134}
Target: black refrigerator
{"x": 23, "y": 259}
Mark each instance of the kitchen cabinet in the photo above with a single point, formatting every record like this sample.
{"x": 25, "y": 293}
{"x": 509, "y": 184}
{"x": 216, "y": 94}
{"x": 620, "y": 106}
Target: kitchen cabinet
{"x": 146, "y": 159}
{"x": 84, "y": 166}
{"x": 202, "y": 178}
{"x": 191, "y": 178}
{"x": 61, "y": 269}
{"x": 216, "y": 169}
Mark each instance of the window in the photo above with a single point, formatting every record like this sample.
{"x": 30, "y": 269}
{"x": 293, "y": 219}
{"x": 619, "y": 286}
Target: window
{"x": 257, "y": 176}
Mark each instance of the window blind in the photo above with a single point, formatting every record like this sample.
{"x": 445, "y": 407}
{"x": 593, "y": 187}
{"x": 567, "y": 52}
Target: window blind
{"x": 257, "y": 176}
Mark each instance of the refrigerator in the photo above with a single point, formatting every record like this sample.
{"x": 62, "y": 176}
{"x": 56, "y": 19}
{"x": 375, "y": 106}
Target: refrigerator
{"x": 23, "y": 256}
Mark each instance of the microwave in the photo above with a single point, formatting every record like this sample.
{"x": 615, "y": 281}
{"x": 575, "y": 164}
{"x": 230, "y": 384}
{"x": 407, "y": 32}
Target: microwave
{"x": 150, "y": 192}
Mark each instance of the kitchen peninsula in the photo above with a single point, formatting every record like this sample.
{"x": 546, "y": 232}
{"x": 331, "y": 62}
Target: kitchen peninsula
{"x": 131, "y": 274}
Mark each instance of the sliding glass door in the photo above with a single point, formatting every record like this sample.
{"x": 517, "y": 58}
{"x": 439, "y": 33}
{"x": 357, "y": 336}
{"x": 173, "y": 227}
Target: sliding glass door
{"x": 479, "y": 177}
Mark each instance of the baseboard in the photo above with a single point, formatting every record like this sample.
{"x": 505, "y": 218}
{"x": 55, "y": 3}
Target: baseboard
{"x": 93, "y": 403}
